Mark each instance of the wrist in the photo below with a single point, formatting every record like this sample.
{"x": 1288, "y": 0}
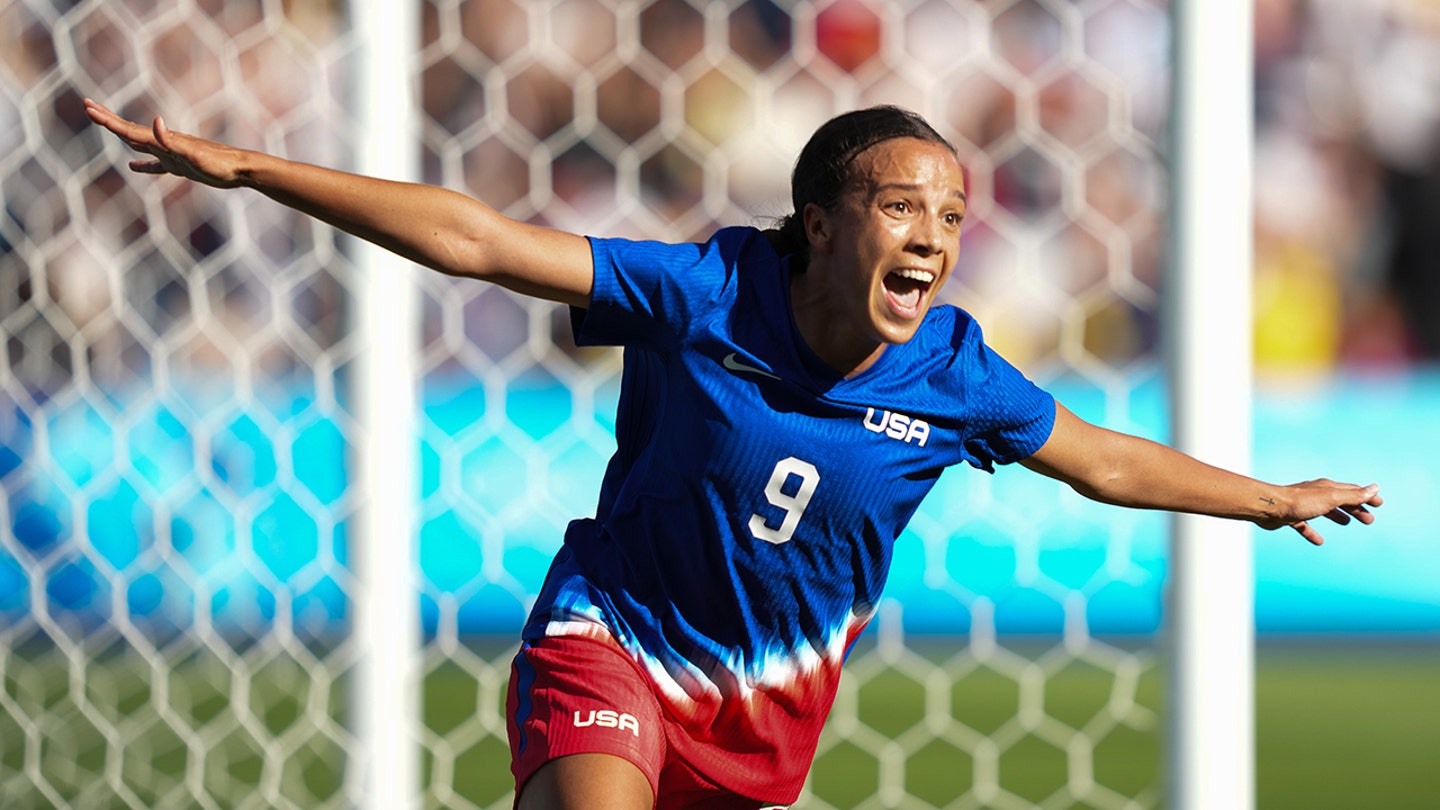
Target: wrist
{"x": 1271, "y": 504}
{"x": 251, "y": 168}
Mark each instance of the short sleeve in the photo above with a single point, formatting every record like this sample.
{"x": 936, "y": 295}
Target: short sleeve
{"x": 650, "y": 294}
{"x": 1010, "y": 417}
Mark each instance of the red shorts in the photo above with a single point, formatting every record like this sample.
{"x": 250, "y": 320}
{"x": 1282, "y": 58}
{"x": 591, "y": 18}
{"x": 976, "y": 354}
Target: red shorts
{"x": 578, "y": 695}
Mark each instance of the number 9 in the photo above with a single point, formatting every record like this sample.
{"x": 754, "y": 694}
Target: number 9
{"x": 794, "y": 505}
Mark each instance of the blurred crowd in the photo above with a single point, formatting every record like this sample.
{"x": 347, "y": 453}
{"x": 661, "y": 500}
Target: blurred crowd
{"x": 1347, "y": 183}
{"x": 688, "y": 117}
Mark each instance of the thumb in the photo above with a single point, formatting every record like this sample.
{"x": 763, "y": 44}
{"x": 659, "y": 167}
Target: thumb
{"x": 162, "y": 132}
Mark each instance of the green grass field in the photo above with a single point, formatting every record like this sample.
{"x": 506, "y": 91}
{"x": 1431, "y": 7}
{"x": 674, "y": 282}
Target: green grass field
{"x": 1338, "y": 726}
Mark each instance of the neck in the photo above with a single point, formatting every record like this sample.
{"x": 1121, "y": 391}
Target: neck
{"x": 826, "y": 330}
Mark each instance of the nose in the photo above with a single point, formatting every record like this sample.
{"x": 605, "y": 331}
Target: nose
{"x": 925, "y": 237}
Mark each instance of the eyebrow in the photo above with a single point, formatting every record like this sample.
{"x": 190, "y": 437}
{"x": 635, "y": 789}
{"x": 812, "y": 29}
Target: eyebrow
{"x": 911, "y": 187}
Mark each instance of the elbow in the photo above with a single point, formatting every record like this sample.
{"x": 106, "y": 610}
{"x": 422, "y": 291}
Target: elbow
{"x": 462, "y": 250}
{"x": 456, "y": 238}
{"x": 456, "y": 254}
{"x": 1109, "y": 487}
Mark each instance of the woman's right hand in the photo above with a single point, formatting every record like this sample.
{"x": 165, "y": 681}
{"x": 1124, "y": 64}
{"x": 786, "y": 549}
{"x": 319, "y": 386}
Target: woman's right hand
{"x": 430, "y": 225}
{"x": 208, "y": 162}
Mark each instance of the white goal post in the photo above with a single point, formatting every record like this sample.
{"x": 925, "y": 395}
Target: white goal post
{"x": 1211, "y": 589}
{"x": 275, "y": 503}
{"x": 387, "y": 703}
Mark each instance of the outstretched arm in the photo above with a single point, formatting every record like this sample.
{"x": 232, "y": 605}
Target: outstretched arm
{"x": 435, "y": 227}
{"x": 1126, "y": 470}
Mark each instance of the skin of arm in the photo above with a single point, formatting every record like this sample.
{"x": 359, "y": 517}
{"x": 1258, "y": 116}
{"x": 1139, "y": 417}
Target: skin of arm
{"x": 459, "y": 236}
{"x": 432, "y": 226}
{"x": 1124, "y": 470}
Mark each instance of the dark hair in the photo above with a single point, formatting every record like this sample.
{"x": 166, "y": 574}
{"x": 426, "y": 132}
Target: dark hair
{"x": 824, "y": 167}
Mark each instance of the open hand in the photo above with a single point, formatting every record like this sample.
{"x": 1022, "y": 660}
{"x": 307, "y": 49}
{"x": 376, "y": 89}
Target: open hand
{"x": 1323, "y": 498}
{"x": 208, "y": 162}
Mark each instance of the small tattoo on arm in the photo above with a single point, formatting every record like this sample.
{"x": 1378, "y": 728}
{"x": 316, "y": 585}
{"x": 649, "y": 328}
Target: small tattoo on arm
{"x": 1270, "y": 501}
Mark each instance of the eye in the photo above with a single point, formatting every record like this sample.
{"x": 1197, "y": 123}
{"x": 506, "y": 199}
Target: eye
{"x": 953, "y": 219}
{"x": 898, "y": 206}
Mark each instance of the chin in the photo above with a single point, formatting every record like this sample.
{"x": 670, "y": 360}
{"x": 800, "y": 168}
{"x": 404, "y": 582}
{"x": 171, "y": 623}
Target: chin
{"x": 899, "y": 332}
{"x": 892, "y": 327}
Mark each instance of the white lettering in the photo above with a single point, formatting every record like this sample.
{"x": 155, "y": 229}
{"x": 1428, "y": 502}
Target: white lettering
{"x": 897, "y": 426}
{"x": 920, "y": 429}
{"x": 794, "y": 505}
{"x": 898, "y": 423}
{"x": 878, "y": 427}
{"x": 605, "y": 718}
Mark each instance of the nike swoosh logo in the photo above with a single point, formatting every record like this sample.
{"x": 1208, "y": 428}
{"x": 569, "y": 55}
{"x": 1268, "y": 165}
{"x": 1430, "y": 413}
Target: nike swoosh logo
{"x": 735, "y": 365}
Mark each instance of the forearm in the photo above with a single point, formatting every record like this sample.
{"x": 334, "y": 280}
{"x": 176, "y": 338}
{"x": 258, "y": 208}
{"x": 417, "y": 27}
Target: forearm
{"x": 429, "y": 225}
{"x": 1142, "y": 474}
{"x": 432, "y": 226}
{"x": 1126, "y": 470}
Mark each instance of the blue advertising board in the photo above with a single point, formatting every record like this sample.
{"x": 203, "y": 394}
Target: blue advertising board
{"x": 247, "y": 518}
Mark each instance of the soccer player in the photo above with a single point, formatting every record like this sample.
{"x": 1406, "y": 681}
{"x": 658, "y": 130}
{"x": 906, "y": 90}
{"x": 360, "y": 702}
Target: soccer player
{"x": 788, "y": 398}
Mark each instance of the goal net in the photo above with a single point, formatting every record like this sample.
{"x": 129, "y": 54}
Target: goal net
{"x": 176, "y": 421}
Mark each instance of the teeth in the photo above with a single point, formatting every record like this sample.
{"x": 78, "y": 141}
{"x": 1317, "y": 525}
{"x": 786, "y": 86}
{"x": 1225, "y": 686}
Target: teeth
{"x": 917, "y": 275}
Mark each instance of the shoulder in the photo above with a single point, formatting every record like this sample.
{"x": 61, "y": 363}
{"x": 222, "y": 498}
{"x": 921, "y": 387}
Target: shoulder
{"x": 951, "y": 344}
{"x": 662, "y": 290}
{"x": 948, "y": 330}
{"x": 704, "y": 271}
{"x": 735, "y": 245}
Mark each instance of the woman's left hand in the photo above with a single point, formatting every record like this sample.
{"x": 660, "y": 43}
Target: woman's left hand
{"x": 1322, "y": 498}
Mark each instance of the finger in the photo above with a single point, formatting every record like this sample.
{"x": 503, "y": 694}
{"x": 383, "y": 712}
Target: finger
{"x": 108, "y": 119}
{"x": 1339, "y": 515}
{"x": 1361, "y": 514}
{"x": 1369, "y": 495}
{"x": 147, "y": 167}
{"x": 162, "y": 133}
{"x": 1308, "y": 532}
{"x": 134, "y": 135}
{"x": 96, "y": 110}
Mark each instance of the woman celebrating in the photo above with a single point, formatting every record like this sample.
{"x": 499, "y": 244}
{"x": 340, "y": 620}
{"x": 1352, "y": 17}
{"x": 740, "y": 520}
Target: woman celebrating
{"x": 788, "y": 399}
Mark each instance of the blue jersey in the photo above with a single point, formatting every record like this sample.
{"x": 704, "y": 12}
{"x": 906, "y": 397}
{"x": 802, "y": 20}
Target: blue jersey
{"x": 745, "y": 523}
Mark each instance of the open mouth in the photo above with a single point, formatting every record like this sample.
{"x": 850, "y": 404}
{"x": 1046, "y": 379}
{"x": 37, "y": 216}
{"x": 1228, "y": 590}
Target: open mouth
{"x": 905, "y": 290}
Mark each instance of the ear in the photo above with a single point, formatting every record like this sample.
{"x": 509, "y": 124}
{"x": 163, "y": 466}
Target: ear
{"x": 819, "y": 230}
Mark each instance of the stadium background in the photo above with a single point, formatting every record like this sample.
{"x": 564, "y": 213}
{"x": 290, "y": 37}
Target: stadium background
{"x": 175, "y": 423}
